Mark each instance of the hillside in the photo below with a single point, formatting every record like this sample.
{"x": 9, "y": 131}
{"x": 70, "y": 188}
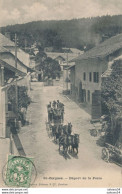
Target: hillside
{"x": 66, "y": 33}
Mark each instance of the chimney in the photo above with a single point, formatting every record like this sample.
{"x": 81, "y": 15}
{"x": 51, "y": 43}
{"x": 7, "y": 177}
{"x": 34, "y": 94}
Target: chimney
{"x": 104, "y": 37}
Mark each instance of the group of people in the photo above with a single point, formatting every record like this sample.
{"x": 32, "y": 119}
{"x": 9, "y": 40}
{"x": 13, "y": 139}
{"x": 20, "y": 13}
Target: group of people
{"x": 55, "y": 112}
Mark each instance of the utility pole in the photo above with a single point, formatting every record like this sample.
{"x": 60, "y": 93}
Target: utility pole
{"x": 16, "y": 98}
{"x": 15, "y": 50}
{"x": 16, "y": 87}
{"x": 25, "y": 44}
{"x": 67, "y": 74}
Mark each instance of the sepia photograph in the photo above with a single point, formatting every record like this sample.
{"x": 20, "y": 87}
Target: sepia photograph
{"x": 60, "y": 94}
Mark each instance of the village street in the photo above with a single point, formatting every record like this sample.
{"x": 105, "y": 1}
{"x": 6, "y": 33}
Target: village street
{"x": 49, "y": 163}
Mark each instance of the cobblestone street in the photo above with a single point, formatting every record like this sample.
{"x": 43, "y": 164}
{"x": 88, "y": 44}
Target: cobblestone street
{"x": 48, "y": 161}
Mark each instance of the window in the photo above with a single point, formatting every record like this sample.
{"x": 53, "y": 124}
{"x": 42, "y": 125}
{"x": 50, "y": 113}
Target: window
{"x": 84, "y": 76}
{"x": 90, "y": 76}
{"x": 96, "y": 77}
{"x": 88, "y": 96}
{"x": 9, "y": 106}
{"x": 84, "y": 95}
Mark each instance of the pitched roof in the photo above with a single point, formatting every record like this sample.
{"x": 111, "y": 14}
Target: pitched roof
{"x": 22, "y": 56}
{"x": 77, "y": 51}
{"x": 74, "y": 50}
{"x": 104, "y": 49}
{"x": 60, "y": 57}
{"x": 8, "y": 60}
{"x": 66, "y": 56}
{"x": 7, "y": 45}
{"x": 108, "y": 72}
{"x": 2, "y": 50}
{"x": 10, "y": 66}
{"x": 5, "y": 41}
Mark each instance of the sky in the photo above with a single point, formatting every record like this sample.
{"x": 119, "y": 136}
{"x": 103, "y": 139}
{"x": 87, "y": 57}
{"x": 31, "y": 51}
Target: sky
{"x": 23, "y": 11}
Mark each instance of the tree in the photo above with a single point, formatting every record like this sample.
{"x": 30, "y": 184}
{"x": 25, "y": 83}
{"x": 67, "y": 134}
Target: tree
{"x": 40, "y": 57}
{"x": 51, "y": 68}
{"x": 74, "y": 33}
{"x": 23, "y": 99}
{"x": 112, "y": 101}
{"x": 112, "y": 89}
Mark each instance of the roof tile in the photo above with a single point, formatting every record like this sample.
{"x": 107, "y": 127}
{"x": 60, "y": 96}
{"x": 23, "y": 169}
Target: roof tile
{"x": 103, "y": 49}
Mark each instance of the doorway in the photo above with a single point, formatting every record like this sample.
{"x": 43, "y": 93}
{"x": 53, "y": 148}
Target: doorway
{"x": 80, "y": 92}
{"x": 39, "y": 77}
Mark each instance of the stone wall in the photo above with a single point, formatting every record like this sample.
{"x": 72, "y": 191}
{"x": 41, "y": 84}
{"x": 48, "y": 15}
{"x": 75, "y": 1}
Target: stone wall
{"x": 87, "y": 66}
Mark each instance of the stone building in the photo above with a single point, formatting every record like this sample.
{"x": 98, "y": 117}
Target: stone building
{"x": 85, "y": 74}
{"x": 65, "y": 56}
{"x": 10, "y": 74}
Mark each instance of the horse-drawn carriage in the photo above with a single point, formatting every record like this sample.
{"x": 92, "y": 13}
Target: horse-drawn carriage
{"x": 112, "y": 153}
{"x": 55, "y": 112}
{"x": 62, "y": 133}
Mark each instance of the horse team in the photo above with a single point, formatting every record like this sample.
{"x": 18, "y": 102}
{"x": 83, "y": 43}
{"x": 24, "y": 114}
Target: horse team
{"x": 62, "y": 134}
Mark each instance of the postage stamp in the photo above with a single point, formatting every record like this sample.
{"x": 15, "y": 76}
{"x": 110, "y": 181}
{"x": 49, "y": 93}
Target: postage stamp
{"x": 19, "y": 171}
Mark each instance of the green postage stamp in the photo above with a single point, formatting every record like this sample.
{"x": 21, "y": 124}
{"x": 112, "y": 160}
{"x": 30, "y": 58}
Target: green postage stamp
{"x": 19, "y": 171}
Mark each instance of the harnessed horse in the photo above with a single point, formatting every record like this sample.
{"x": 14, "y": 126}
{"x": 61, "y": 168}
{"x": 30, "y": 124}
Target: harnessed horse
{"x": 69, "y": 142}
{"x": 75, "y": 142}
{"x": 63, "y": 143}
{"x": 69, "y": 128}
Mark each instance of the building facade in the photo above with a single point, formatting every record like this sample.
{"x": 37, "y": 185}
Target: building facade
{"x": 85, "y": 78}
{"x": 85, "y": 74}
{"x": 13, "y": 71}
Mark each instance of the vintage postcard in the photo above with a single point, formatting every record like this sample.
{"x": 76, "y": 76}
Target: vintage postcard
{"x": 60, "y": 94}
